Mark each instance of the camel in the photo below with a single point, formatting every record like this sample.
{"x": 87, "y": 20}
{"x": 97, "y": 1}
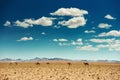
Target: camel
{"x": 85, "y": 63}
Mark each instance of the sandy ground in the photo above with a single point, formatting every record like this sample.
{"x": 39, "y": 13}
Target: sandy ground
{"x": 59, "y": 70}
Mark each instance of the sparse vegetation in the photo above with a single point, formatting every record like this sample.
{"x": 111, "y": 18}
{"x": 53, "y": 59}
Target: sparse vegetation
{"x": 59, "y": 70}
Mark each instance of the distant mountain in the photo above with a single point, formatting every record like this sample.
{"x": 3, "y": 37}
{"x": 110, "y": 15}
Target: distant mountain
{"x": 57, "y": 59}
{"x": 18, "y": 60}
{"x": 46, "y": 59}
{"x": 30, "y": 60}
{"x": 35, "y": 59}
{"x": 6, "y": 59}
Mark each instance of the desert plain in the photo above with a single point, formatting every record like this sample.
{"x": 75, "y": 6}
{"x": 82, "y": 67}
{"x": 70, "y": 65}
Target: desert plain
{"x": 59, "y": 70}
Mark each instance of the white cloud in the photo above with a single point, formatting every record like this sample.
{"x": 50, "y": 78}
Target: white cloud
{"x": 103, "y": 46}
{"x": 43, "y": 33}
{"x": 110, "y": 33}
{"x": 77, "y": 14}
{"x": 56, "y": 26}
{"x": 102, "y": 40}
{"x": 7, "y": 23}
{"x": 69, "y": 12}
{"x": 87, "y": 48}
{"x": 108, "y": 16}
{"x": 104, "y": 25}
{"x": 22, "y": 24}
{"x": 43, "y": 21}
{"x": 113, "y": 46}
{"x": 60, "y": 40}
{"x": 74, "y": 22}
{"x": 55, "y": 40}
{"x": 91, "y": 31}
{"x": 25, "y": 39}
{"x": 62, "y": 44}
{"x": 77, "y": 42}
{"x": 110, "y": 44}
{"x": 117, "y": 49}
{"x": 65, "y": 42}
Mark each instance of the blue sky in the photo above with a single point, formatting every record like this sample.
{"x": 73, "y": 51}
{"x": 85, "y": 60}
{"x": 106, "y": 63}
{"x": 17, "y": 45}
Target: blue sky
{"x": 75, "y": 29}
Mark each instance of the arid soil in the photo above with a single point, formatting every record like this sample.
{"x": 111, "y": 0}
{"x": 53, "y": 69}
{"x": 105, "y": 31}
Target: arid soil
{"x": 59, "y": 70}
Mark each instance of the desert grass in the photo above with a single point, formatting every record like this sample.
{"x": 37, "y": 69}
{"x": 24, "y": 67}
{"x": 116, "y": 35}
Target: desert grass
{"x": 59, "y": 70}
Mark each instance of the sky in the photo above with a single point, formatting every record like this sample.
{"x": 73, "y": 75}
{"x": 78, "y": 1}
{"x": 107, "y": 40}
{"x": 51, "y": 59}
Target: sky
{"x": 74, "y": 29}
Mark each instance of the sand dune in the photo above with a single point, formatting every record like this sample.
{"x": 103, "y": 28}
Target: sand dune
{"x": 59, "y": 70}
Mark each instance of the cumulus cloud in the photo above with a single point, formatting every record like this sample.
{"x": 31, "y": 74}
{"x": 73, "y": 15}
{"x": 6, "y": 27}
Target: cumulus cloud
{"x": 7, "y": 23}
{"x": 108, "y": 16}
{"x": 110, "y": 44}
{"x": 60, "y": 40}
{"x": 74, "y": 22}
{"x": 25, "y": 39}
{"x": 69, "y": 12}
{"x": 87, "y": 48}
{"x": 113, "y": 46}
{"x": 77, "y": 19}
{"x": 65, "y": 42}
{"x": 43, "y": 21}
{"x": 114, "y": 33}
{"x": 22, "y": 24}
{"x": 104, "y": 25}
{"x": 77, "y": 14}
{"x": 77, "y": 42}
{"x": 89, "y": 31}
{"x": 102, "y": 40}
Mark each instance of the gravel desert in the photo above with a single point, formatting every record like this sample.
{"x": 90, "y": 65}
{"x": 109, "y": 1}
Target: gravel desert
{"x": 59, "y": 70}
